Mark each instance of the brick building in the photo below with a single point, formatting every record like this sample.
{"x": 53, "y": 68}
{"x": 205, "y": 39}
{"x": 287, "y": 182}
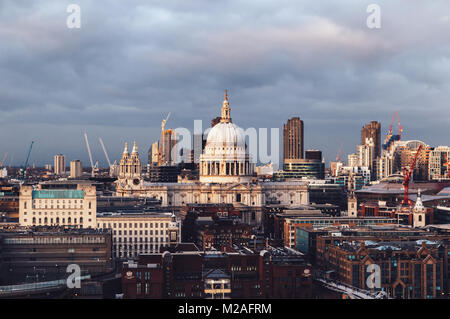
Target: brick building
{"x": 409, "y": 269}
{"x": 238, "y": 273}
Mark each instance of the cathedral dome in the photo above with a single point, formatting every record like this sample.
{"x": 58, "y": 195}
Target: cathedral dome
{"x": 225, "y": 139}
{"x": 225, "y": 158}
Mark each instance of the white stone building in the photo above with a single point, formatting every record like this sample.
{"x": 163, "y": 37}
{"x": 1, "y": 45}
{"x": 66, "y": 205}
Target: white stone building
{"x": 226, "y": 175}
{"x": 144, "y": 233}
{"x": 58, "y": 207}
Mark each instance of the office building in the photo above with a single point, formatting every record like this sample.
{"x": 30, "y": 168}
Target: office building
{"x": 140, "y": 233}
{"x": 58, "y": 207}
{"x": 293, "y": 139}
{"x": 313, "y": 155}
{"x": 372, "y": 131}
{"x": 439, "y": 167}
{"x": 60, "y": 164}
{"x": 43, "y": 253}
{"x": 404, "y": 154}
{"x": 76, "y": 170}
{"x": 301, "y": 168}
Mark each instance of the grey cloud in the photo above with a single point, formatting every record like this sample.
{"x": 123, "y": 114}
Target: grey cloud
{"x": 132, "y": 62}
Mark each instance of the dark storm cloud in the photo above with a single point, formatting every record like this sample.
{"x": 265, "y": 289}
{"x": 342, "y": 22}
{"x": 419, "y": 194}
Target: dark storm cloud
{"x": 134, "y": 61}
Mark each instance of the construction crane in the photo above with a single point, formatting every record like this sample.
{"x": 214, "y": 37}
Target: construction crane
{"x": 24, "y": 168}
{"x": 163, "y": 123}
{"x": 390, "y": 138}
{"x": 104, "y": 150}
{"x": 339, "y": 154}
{"x": 3, "y": 159}
{"x": 400, "y": 128}
{"x": 407, "y": 173}
{"x": 162, "y": 151}
{"x": 90, "y": 154}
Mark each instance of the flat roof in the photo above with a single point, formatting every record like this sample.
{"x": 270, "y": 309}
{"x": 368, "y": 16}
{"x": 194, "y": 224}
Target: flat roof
{"x": 57, "y": 193}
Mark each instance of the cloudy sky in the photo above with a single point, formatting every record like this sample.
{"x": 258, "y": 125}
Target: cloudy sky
{"x": 132, "y": 62}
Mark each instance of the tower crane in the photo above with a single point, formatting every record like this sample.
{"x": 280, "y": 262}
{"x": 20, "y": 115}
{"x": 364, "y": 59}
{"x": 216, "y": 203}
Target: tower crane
{"x": 162, "y": 151}
{"x": 104, "y": 150}
{"x": 163, "y": 123}
{"x": 90, "y": 154}
{"x": 3, "y": 159}
{"x": 407, "y": 172}
{"x": 400, "y": 128}
{"x": 392, "y": 123}
{"x": 24, "y": 168}
{"x": 340, "y": 153}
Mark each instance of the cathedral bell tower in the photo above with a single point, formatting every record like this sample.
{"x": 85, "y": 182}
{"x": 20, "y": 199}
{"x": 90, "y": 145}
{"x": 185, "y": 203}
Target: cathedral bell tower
{"x": 225, "y": 118}
{"x": 130, "y": 170}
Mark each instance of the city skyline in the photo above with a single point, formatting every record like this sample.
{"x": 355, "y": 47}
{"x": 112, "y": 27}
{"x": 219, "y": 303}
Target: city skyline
{"x": 119, "y": 80}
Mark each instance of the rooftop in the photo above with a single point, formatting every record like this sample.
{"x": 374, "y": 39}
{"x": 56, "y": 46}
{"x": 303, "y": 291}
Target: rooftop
{"x": 57, "y": 193}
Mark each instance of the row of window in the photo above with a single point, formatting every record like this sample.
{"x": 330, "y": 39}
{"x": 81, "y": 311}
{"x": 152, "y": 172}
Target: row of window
{"x": 119, "y": 240}
{"x": 56, "y": 213}
{"x": 56, "y": 221}
{"x": 130, "y": 225}
{"x": 141, "y": 232}
{"x": 57, "y": 206}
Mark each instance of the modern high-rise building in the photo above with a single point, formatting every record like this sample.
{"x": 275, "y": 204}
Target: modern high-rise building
{"x": 372, "y": 131}
{"x": 293, "y": 139}
{"x": 365, "y": 155}
{"x": 153, "y": 154}
{"x": 167, "y": 151}
{"x": 438, "y": 166}
{"x": 59, "y": 164}
{"x": 404, "y": 154}
{"x": 313, "y": 155}
{"x": 352, "y": 159}
{"x": 76, "y": 169}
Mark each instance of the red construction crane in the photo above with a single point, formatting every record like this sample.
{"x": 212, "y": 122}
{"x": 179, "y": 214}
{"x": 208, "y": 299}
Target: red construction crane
{"x": 392, "y": 123}
{"x": 340, "y": 153}
{"x": 407, "y": 172}
{"x": 400, "y": 128}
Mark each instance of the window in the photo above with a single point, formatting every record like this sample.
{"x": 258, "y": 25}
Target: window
{"x": 138, "y": 288}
